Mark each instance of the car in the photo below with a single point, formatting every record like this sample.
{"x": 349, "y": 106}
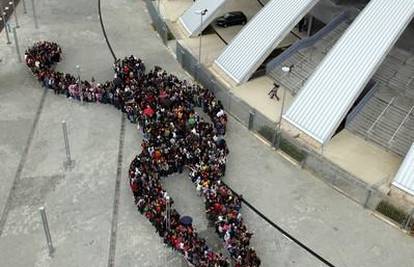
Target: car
{"x": 231, "y": 19}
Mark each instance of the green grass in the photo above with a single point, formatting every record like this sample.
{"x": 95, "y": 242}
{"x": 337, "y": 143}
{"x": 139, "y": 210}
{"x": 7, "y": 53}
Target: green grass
{"x": 392, "y": 212}
{"x": 267, "y": 133}
{"x": 292, "y": 150}
{"x": 286, "y": 146}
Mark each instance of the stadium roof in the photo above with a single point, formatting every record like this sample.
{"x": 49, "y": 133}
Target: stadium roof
{"x": 405, "y": 175}
{"x": 254, "y": 43}
{"x": 330, "y": 92}
{"x": 192, "y": 21}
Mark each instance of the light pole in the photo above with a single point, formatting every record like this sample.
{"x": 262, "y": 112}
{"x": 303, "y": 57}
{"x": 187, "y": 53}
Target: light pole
{"x": 16, "y": 42}
{"x": 13, "y": 4}
{"x": 287, "y": 70}
{"x": 34, "y": 15}
{"x": 47, "y": 230}
{"x": 201, "y": 12}
{"x": 3, "y": 17}
{"x": 24, "y": 7}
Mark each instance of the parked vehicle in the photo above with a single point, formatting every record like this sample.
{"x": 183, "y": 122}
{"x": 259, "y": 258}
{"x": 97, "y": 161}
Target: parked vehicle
{"x": 231, "y": 19}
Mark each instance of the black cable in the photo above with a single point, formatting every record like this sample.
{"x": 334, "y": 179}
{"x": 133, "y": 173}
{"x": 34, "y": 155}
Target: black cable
{"x": 221, "y": 38}
{"x": 104, "y": 32}
{"x": 284, "y": 232}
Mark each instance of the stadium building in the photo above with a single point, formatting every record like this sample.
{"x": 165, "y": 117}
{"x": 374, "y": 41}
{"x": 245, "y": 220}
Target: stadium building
{"x": 345, "y": 70}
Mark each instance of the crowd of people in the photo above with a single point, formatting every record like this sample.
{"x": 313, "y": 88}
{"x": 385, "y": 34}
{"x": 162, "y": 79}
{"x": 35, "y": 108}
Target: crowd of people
{"x": 175, "y": 137}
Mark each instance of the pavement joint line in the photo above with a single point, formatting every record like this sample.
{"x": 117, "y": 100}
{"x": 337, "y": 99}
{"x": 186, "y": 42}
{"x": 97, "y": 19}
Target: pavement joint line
{"x": 22, "y": 162}
{"x": 115, "y": 209}
{"x": 53, "y": 176}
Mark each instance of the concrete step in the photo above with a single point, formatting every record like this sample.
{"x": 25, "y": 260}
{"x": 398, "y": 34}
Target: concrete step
{"x": 385, "y": 127}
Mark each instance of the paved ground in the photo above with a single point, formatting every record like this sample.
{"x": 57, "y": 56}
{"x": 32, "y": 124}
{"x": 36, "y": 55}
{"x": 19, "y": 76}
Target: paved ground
{"x": 80, "y": 202}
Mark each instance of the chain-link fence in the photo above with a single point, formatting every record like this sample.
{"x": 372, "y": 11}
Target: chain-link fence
{"x": 157, "y": 21}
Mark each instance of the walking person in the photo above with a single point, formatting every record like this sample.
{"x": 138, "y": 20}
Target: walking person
{"x": 273, "y": 92}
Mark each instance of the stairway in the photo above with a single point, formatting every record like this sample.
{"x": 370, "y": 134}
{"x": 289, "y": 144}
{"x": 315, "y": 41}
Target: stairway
{"x": 306, "y": 61}
{"x": 385, "y": 128}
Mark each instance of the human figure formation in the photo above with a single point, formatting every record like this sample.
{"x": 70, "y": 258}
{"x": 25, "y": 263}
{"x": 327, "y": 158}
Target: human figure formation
{"x": 175, "y": 137}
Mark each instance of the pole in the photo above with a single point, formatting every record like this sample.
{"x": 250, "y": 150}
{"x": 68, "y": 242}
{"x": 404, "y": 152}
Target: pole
{"x": 199, "y": 43}
{"x": 279, "y": 125}
{"x": 3, "y": 17}
{"x": 68, "y": 162}
{"x": 47, "y": 231}
{"x": 167, "y": 214}
{"x": 24, "y": 7}
{"x": 287, "y": 70}
{"x": 16, "y": 42}
{"x": 79, "y": 83}
{"x": 251, "y": 119}
{"x": 15, "y": 13}
{"x": 34, "y": 15}
{"x": 167, "y": 222}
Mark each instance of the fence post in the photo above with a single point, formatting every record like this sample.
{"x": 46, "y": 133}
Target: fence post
{"x": 275, "y": 138}
{"x": 368, "y": 198}
{"x": 409, "y": 219}
{"x": 251, "y": 119}
{"x": 16, "y": 42}
{"x": 47, "y": 230}
{"x": 229, "y": 98}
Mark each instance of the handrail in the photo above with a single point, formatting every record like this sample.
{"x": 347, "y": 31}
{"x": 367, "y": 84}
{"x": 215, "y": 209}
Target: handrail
{"x": 308, "y": 41}
{"x": 380, "y": 116}
{"x": 372, "y": 85}
{"x": 407, "y": 116}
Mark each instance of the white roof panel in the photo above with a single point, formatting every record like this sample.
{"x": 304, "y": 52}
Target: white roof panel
{"x": 330, "y": 92}
{"x": 192, "y": 21}
{"x": 405, "y": 175}
{"x": 254, "y": 43}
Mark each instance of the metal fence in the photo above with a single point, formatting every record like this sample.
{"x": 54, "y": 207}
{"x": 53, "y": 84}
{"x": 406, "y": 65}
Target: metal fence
{"x": 157, "y": 21}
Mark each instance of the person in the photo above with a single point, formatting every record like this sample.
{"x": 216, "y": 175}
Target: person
{"x": 175, "y": 137}
{"x": 273, "y": 92}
